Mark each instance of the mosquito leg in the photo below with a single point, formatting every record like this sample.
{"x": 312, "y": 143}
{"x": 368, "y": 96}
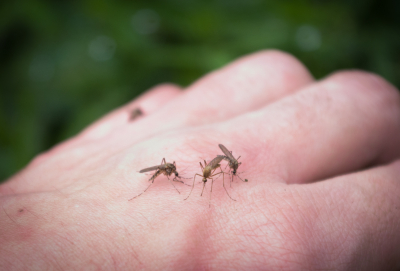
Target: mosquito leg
{"x": 173, "y": 185}
{"x": 226, "y": 166}
{"x": 230, "y": 185}
{"x": 154, "y": 176}
{"x": 194, "y": 178}
{"x": 142, "y": 192}
{"x": 175, "y": 180}
{"x": 181, "y": 181}
{"x": 216, "y": 174}
{"x": 212, "y": 173}
{"x": 163, "y": 161}
{"x": 223, "y": 183}
{"x": 209, "y": 201}
{"x": 184, "y": 178}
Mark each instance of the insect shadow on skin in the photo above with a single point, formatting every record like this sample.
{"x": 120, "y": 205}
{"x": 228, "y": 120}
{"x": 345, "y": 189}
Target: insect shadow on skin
{"x": 208, "y": 172}
{"x": 232, "y": 162}
{"x": 164, "y": 168}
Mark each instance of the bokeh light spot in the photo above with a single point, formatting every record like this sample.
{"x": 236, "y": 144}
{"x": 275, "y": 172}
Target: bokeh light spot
{"x": 42, "y": 68}
{"x": 102, "y": 48}
{"x": 308, "y": 38}
{"x": 146, "y": 21}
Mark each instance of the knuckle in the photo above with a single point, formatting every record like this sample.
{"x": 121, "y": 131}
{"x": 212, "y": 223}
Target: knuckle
{"x": 168, "y": 86}
{"x": 284, "y": 63}
{"x": 365, "y": 84}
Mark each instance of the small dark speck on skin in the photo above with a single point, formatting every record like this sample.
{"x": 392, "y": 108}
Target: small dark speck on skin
{"x": 135, "y": 113}
{"x": 20, "y": 210}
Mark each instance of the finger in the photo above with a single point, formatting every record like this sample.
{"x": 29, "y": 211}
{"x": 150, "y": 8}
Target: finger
{"x": 247, "y": 84}
{"x": 361, "y": 211}
{"x": 149, "y": 102}
{"x": 346, "y": 122}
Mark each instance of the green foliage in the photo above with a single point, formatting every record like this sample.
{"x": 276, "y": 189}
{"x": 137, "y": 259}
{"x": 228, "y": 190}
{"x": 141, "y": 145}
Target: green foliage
{"x": 66, "y": 63}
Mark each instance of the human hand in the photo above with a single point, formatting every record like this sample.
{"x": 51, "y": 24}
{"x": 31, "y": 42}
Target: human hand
{"x": 323, "y": 190}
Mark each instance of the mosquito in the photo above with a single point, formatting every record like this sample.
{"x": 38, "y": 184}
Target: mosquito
{"x": 208, "y": 173}
{"x": 233, "y": 162}
{"x": 165, "y": 168}
{"x": 135, "y": 113}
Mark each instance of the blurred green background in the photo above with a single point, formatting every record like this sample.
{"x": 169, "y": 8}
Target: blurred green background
{"x": 66, "y": 63}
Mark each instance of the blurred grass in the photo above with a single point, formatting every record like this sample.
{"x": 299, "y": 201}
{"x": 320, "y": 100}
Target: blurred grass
{"x": 63, "y": 64}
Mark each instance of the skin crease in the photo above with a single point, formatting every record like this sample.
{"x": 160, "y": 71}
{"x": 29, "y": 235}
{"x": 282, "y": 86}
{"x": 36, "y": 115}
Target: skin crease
{"x": 321, "y": 159}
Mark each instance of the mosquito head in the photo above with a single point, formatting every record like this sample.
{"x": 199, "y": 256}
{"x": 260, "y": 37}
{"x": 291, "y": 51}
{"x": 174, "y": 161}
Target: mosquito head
{"x": 235, "y": 166}
{"x": 171, "y": 168}
{"x": 204, "y": 180}
{"x": 176, "y": 174}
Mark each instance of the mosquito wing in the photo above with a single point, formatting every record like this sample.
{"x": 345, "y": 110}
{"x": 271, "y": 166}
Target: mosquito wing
{"x": 214, "y": 162}
{"x": 224, "y": 158}
{"x": 151, "y": 168}
{"x": 226, "y": 152}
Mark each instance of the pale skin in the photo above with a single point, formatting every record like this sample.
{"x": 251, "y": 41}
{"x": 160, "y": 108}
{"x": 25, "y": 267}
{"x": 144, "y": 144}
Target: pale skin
{"x": 321, "y": 158}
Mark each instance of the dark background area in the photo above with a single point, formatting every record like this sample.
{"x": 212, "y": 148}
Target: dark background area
{"x": 63, "y": 64}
